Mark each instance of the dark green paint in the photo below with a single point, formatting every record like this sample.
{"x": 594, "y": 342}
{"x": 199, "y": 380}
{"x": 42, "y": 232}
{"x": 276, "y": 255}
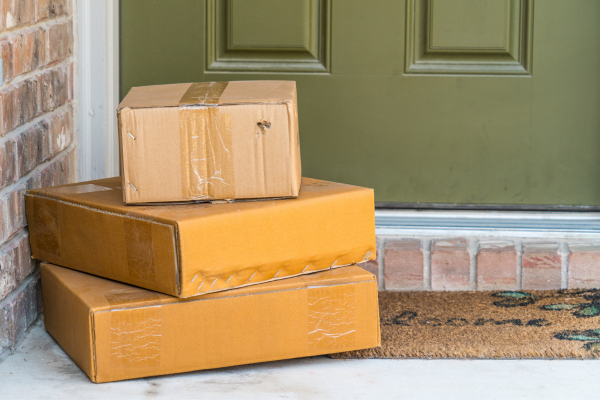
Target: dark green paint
{"x": 415, "y": 138}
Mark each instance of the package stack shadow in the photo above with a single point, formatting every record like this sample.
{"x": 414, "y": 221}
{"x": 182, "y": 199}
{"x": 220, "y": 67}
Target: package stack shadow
{"x": 210, "y": 250}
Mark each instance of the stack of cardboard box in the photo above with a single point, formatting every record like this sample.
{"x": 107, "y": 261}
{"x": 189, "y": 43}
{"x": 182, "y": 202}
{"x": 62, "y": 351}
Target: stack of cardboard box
{"x": 206, "y": 251}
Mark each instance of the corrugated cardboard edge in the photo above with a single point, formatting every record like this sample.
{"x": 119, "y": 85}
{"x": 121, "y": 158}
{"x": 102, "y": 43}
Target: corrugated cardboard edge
{"x": 173, "y": 226}
{"x": 68, "y": 342}
{"x": 121, "y": 163}
{"x": 274, "y": 279}
{"x": 369, "y": 256}
{"x": 174, "y": 203}
{"x": 177, "y": 251}
{"x": 214, "y": 102}
{"x": 317, "y": 350}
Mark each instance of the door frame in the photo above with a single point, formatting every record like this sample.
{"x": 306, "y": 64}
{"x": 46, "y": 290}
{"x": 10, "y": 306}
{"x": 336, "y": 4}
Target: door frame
{"x": 97, "y": 88}
{"x": 99, "y": 153}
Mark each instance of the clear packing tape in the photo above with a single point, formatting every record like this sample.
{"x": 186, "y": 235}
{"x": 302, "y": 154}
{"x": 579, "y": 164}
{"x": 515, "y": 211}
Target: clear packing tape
{"x": 136, "y": 333}
{"x": 139, "y": 243}
{"x": 205, "y": 136}
{"x": 47, "y": 230}
{"x": 135, "y": 340}
{"x": 331, "y": 318}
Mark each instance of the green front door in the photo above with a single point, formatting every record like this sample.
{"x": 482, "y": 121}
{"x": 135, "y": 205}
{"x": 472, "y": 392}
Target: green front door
{"x": 427, "y": 101}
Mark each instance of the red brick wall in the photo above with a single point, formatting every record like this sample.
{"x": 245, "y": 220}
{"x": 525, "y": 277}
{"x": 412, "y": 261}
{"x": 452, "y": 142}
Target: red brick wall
{"x": 475, "y": 263}
{"x": 36, "y": 140}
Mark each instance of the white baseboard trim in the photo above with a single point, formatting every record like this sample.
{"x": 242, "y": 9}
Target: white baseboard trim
{"x": 551, "y": 225}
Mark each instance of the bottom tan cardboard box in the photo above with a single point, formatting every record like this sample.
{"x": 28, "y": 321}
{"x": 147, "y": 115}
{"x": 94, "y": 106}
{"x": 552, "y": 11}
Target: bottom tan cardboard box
{"x": 114, "y": 331}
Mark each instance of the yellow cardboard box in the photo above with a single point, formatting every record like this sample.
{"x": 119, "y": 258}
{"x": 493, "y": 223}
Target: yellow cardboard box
{"x": 114, "y": 331}
{"x": 190, "y": 249}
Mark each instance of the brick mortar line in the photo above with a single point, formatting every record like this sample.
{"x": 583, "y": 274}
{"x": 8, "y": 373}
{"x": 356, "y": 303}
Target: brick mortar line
{"x": 15, "y": 292}
{"x": 41, "y": 23}
{"x": 38, "y": 167}
{"x": 38, "y": 71}
{"x": 15, "y": 237}
{"x": 22, "y": 128}
{"x": 473, "y": 250}
{"x": 519, "y": 250}
{"x": 426, "y": 244}
{"x": 563, "y": 249}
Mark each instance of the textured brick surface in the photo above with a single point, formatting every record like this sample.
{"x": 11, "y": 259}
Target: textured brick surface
{"x": 36, "y": 139}
{"x": 541, "y": 266}
{"x": 23, "y": 101}
{"x": 8, "y": 163}
{"x": 27, "y": 51}
{"x": 60, "y": 41}
{"x": 584, "y": 266}
{"x": 17, "y": 13}
{"x": 12, "y": 212}
{"x": 19, "y": 104}
{"x": 450, "y": 265}
{"x": 15, "y": 264}
{"x": 50, "y": 9}
{"x": 497, "y": 266}
{"x": 70, "y": 88}
{"x": 19, "y": 310}
{"x": 58, "y": 172}
{"x": 39, "y": 143}
{"x": 53, "y": 88}
{"x": 34, "y": 48}
{"x": 403, "y": 268}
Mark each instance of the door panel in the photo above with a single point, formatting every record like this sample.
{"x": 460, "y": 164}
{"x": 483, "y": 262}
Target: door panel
{"x": 427, "y": 101}
{"x": 491, "y": 37}
{"x": 277, "y": 36}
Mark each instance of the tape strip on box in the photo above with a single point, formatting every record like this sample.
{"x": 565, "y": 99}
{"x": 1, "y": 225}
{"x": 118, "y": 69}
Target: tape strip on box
{"x": 135, "y": 334}
{"x": 46, "y": 228}
{"x": 331, "y": 318}
{"x": 140, "y": 249}
{"x": 59, "y": 192}
{"x": 205, "y": 133}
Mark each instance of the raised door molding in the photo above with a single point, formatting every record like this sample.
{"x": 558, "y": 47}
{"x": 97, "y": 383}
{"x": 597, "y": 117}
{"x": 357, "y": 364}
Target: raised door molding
{"x": 483, "y": 37}
{"x": 268, "y": 36}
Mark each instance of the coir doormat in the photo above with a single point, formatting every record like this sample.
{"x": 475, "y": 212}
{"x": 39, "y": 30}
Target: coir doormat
{"x": 509, "y": 324}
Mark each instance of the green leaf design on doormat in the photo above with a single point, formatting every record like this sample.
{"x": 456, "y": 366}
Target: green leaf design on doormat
{"x": 514, "y": 299}
{"x": 582, "y": 310}
{"x": 560, "y": 307}
{"x": 587, "y": 311}
{"x": 592, "y": 336}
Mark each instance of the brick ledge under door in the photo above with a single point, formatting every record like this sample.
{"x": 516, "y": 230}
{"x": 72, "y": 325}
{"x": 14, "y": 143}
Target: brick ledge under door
{"x": 486, "y": 250}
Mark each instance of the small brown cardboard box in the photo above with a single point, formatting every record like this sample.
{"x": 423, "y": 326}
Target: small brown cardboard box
{"x": 190, "y": 249}
{"x": 115, "y": 331}
{"x": 209, "y": 140}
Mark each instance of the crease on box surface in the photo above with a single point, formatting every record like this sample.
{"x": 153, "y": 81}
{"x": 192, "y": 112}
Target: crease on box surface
{"x": 331, "y": 318}
{"x": 139, "y": 242}
{"x": 206, "y": 148}
{"x": 135, "y": 337}
{"x": 136, "y": 333}
{"x": 207, "y": 159}
{"x": 141, "y": 229}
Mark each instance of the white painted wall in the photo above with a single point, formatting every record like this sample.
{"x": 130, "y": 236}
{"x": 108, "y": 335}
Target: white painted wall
{"x": 98, "y": 88}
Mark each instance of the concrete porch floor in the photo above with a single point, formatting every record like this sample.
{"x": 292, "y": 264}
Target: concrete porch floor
{"x": 39, "y": 369}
